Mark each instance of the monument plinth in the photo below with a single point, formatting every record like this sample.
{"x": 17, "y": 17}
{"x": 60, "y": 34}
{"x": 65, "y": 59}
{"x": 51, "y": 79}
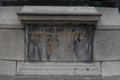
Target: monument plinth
{"x": 59, "y": 36}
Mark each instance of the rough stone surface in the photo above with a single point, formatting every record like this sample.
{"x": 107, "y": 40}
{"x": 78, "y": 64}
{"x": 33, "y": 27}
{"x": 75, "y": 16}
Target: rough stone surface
{"x": 106, "y": 45}
{"x": 59, "y": 69}
{"x": 12, "y": 44}
{"x": 110, "y": 69}
{"x": 7, "y": 68}
{"x": 9, "y": 18}
{"x": 110, "y": 18}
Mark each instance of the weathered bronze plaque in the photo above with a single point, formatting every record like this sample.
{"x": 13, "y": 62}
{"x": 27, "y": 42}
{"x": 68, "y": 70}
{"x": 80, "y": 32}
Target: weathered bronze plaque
{"x": 59, "y": 43}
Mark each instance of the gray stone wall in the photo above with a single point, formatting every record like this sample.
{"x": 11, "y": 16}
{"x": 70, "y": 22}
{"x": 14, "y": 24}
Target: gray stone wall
{"x": 12, "y": 42}
{"x": 106, "y": 46}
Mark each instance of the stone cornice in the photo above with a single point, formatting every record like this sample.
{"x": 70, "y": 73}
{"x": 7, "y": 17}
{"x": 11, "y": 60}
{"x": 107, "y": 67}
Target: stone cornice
{"x": 44, "y": 15}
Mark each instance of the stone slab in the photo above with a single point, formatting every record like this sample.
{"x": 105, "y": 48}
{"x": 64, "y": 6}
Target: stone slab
{"x": 12, "y": 44}
{"x": 69, "y": 15}
{"x": 57, "y": 45}
{"x": 7, "y": 68}
{"x": 7, "y": 78}
{"x": 55, "y": 10}
{"x": 59, "y": 69}
{"x": 9, "y": 18}
{"x": 111, "y": 78}
{"x": 106, "y": 45}
{"x": 111, "y": 69}
{"x": 110, "y": 18}
{"x": 61, "y": 78}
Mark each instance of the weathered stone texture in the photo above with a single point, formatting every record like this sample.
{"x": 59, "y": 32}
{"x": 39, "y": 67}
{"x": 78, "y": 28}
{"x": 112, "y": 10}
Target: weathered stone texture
{"x": 7, "y": 68}
{"x": 110, "y": 18}
{"x": 12, "y": 44}
{"x": 9, "y": 18}
{"x": 110, "y": 69}
{"x": 107, "y": 45}
{"x": 56, "y": 45}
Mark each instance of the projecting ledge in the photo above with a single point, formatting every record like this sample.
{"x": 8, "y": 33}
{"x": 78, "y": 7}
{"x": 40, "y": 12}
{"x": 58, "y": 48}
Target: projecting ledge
{"x": 49, "y": 15}
{"x": 63, "y": 69}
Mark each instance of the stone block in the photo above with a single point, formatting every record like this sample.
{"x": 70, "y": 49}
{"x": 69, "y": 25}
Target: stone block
{"x": 58, "y": 10}
{"x": 56, "y": 15}
{"x": 111, "y": 69}
{"x": 106, "y": 45}
{"x": 9, "y": 18}
{"x": 7, "y": 78}
{"x": 111, "y": 78}
{"x": 7, "y": 68}
{"x": 59, "y": 69}
{"x": 110, "y": 18}
{"x": 12, "y": 44}
{"x": 58, "y": 78}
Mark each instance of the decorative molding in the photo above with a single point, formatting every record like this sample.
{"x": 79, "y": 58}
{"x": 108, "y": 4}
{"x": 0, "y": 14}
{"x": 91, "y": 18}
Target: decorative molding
{"x": 48, "y": 15}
